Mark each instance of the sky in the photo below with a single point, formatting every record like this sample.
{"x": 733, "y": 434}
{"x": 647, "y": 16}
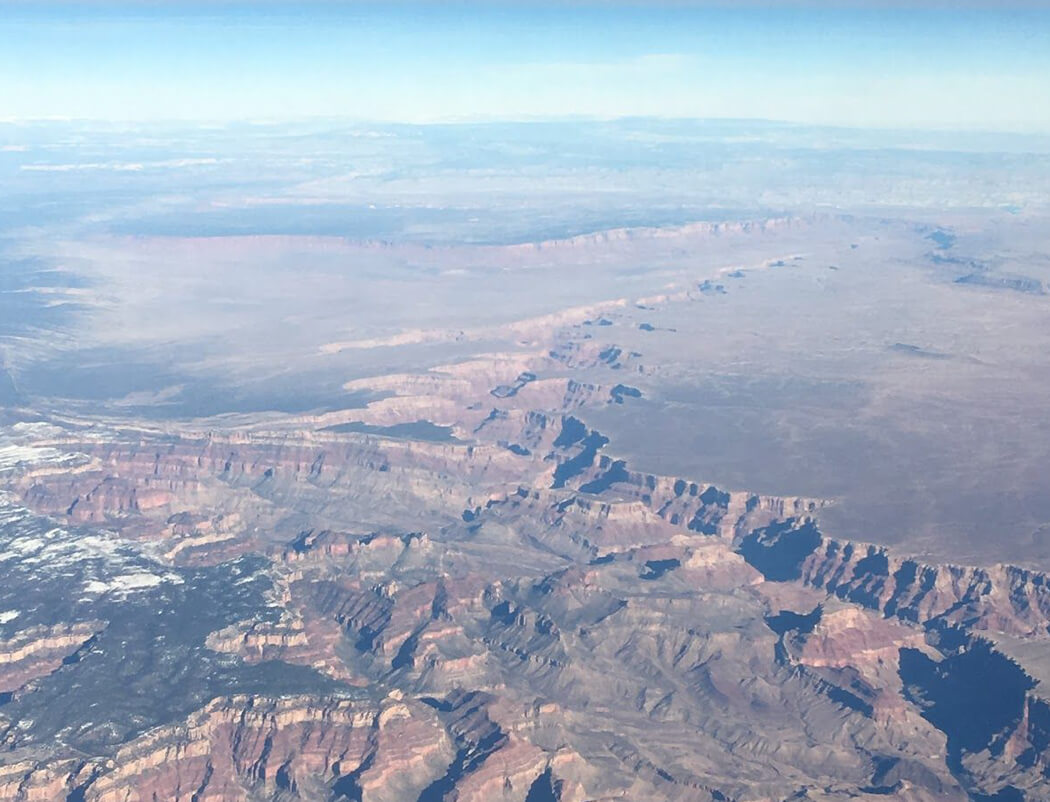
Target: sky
{"x": 942, "y": 65}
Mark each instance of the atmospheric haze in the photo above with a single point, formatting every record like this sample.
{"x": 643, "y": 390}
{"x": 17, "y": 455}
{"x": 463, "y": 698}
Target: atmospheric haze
{"x": 523, "y": 402}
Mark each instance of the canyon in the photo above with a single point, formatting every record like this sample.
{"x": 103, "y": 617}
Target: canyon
{"x": 464, "y": 589}
{"x": 712, "y": 512}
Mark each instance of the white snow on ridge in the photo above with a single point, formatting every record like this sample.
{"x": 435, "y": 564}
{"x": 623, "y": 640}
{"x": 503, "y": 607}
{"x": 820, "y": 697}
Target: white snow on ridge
{"x": 128, "y": 583}
{"x": 95, "y": 559}
{"x": 36, "y": 429}
{"x": 12, "y": 455}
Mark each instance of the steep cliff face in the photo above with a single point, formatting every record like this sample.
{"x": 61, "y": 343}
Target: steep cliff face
{"x": 1000, "y": 598}
{"x": 529, "y": 611}
{"x": 150, "y": 491}
{"x": 464, "y": 592}
{"x": 245, "y": 748}
{"x": 251, "y": 748}
{"x": 38, "y": 651}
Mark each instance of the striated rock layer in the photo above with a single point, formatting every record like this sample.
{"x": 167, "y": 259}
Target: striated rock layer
{"x": 463, "y": 593}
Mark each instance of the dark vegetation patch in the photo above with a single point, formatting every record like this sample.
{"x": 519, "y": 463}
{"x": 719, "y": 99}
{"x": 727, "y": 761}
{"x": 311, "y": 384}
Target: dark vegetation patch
{"x": 150, "y": 665}
{"x": 416, "y": 430}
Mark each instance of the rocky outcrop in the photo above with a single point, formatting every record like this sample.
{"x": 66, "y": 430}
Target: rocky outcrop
{"x": 247, "y": 748}
{"x": 999, "y": 598}
{"x": 37, "y": 651}
{"x": 513, "y": 613}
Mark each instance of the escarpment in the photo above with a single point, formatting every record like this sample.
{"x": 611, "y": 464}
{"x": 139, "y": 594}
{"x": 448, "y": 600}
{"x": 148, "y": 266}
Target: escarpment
{"x": 251, "y": 748}
{"x": 1000, "y": 598}
{"x": 38, "y": 651}
{"x": 464, "y": 591}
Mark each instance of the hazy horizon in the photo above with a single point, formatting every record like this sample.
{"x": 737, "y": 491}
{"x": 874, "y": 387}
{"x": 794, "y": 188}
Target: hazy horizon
{"x": 971, "y": 67}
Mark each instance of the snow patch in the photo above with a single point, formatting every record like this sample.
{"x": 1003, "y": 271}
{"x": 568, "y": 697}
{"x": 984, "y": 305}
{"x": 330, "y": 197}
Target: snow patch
{"x": 128, "y": 583}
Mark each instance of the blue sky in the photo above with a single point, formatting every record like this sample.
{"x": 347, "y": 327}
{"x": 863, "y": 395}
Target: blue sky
{"x": 965, "y": 65}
